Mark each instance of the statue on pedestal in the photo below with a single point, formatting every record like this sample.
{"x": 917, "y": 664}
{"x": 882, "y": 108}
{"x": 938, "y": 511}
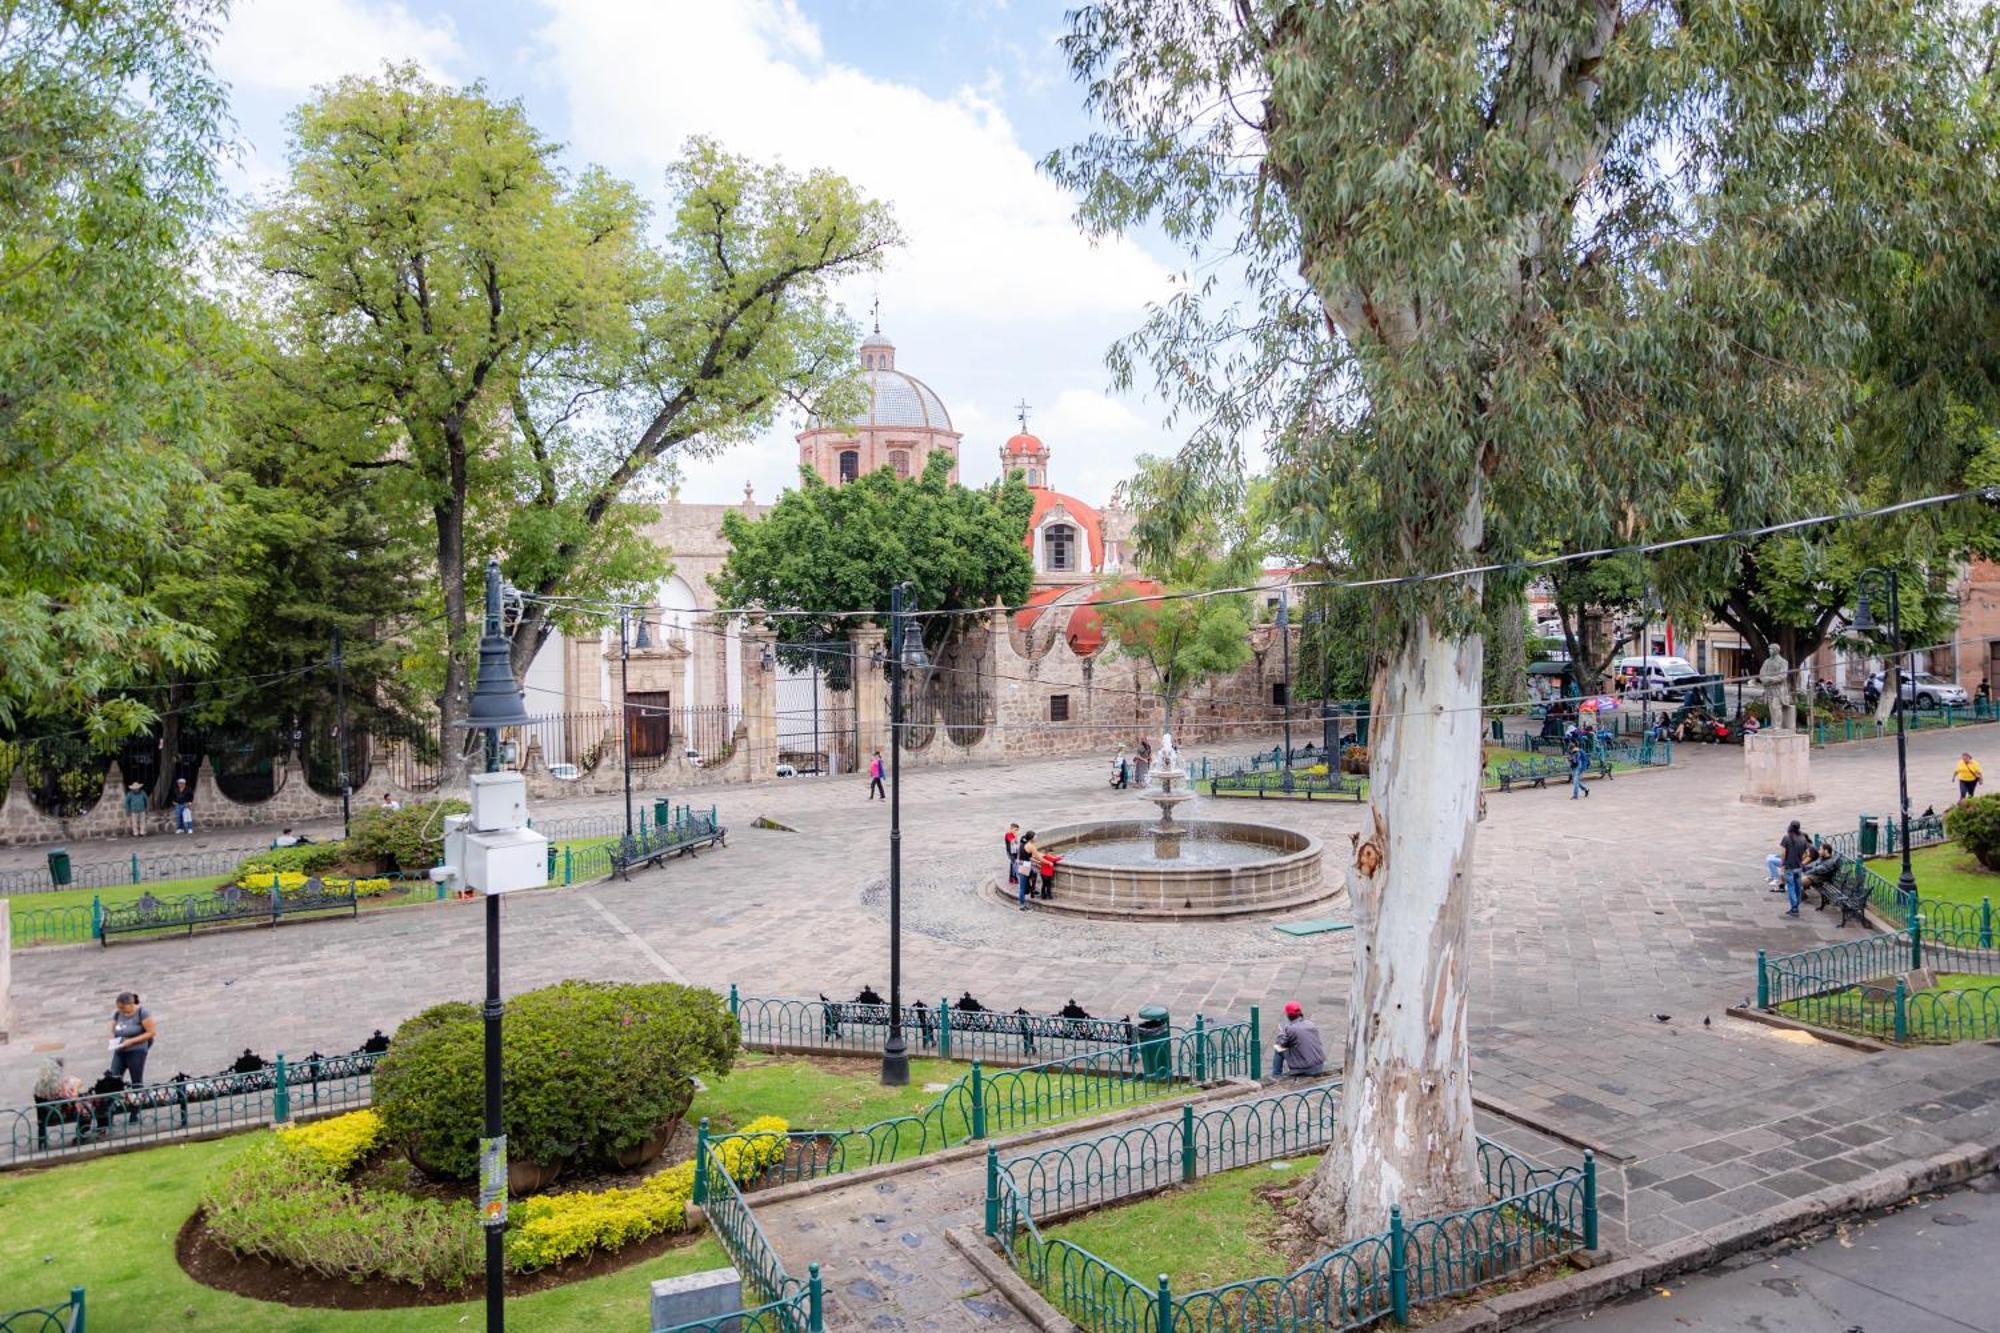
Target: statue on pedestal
{"x": 1776, "y": 678}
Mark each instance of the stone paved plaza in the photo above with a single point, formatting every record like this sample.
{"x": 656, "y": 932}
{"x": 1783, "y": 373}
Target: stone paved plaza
{"x": 1593, "y": 919}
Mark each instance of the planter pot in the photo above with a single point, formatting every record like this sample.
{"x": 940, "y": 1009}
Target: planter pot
{"x": 649, "y": 1147}
{"x": 530, "y": 1177}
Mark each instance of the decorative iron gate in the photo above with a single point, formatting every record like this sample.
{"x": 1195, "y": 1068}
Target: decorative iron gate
{"x": 816, "y": 708}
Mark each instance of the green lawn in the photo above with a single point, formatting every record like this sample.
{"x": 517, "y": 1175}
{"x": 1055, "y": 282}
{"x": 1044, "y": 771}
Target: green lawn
{"x": 109, "y": 1225}
{"x": 1217, "y": 1230}
{"x": 1946, "y": 872}
{"x": 818, "y": 1093}
{"x": 1966, "y": 1017}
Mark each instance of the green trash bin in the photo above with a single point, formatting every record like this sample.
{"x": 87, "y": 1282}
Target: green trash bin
{"x": 59, "y": 867}
{"x": 1871, "y": 834}
{"x": 552, "y": 863}
{"x": 1156, "y": 1050}
{"x": 1499, "y": 729}
{"x": 663, "y": 815}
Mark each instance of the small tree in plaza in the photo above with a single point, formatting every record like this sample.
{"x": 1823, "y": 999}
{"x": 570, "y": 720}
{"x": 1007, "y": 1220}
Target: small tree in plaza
{"x": 1501, "y": 261}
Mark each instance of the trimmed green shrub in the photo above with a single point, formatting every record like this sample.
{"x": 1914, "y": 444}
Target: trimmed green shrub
{"x": 311, "y": 859}
{"x": 1976, "y": 826}
{"x": 288, "y": 1204}
{"x": 593, "y": 1069}
{"x": 408, "y": 839}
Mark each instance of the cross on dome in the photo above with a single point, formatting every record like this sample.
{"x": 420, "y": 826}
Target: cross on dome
{"x": 1021, "y": 414}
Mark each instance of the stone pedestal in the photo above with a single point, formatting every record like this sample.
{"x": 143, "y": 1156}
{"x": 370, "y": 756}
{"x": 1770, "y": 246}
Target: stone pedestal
{"x": 697, "y": 1297}
{"x": 1777, "y": 768}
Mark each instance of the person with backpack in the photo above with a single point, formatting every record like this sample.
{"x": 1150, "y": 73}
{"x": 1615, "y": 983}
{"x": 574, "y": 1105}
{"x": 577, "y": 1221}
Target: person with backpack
{"x": 1578, "y": 762}
{"x": 875, "y": 777}
{"x": 1969, "y": 776}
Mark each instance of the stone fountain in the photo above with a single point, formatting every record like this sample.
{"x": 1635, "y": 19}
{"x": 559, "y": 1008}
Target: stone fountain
{"x": 1170, "y": 868}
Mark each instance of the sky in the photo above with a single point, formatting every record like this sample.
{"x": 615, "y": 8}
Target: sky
{"x": 941, "y": 108}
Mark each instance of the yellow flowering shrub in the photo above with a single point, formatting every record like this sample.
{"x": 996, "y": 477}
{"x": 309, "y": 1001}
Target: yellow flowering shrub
{"x": 337, "y": 1143}
{"x": 293, "y": 882}
{"x": 545, "y": 1229}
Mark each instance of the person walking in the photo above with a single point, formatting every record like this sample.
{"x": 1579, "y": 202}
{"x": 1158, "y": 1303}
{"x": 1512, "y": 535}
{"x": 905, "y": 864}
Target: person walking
{"x": 875, "y": 777}
{"x": 1577, "y": 763}
{"x": 135, "y": 808}
{"x": 183, "y": 806}
{"x": 1969, "y": 776}
{"x": 1142, "y": 762}
{"x": 1299, "y": 1051}
{"x": 1120, "y": 771}
{"x": 132, "y": 1032}
{"x": 1792, "y": 848}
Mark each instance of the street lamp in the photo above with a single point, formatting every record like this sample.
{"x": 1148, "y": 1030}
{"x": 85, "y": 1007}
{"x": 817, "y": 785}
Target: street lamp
{"x": 625, "y": 712}
{"x": 1892, "y": 681}
{"x": 496, "y": 702}
{"x": 906, "y": 654}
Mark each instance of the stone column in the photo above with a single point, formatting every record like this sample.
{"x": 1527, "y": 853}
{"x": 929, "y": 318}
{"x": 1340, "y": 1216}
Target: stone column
{"x": 760, "y": 697}
{"x": 871, "y": 693}
{"x": 1777, "y": 768}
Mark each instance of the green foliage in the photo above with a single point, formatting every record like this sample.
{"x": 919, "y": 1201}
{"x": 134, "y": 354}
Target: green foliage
{"x": 592, "y": 1069}
{"x": 113, "y": 122}
{"x": 1975, "y": 824}
{"x": 1336, "y": 645}
{"x": 282, "y": 1201}
{"x": 825, "y": 549}
{"x": 310, "y": 858}
{"x": 411, "y": 838}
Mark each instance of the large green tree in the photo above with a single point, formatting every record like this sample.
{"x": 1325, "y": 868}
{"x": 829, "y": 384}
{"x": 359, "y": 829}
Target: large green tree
{"x": 825, "y": 550}
{"x": 515, "y": 353}
{"x": 1491, "y": 258}
{"x": 110, "y": 125}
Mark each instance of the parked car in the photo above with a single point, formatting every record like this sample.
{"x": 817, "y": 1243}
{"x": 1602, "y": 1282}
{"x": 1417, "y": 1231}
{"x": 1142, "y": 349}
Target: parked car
{"x": 1921, "y": 688}
{"x": 565, "y": 772}
{"x": 1656, "y": 677}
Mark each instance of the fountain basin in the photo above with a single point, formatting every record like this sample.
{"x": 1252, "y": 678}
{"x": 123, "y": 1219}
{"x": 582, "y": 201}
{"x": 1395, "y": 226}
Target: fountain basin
{"x": 1224, "y": 868}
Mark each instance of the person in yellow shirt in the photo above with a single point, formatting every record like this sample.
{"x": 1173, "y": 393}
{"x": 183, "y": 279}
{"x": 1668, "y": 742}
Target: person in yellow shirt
{"x": 1969, "y": 776}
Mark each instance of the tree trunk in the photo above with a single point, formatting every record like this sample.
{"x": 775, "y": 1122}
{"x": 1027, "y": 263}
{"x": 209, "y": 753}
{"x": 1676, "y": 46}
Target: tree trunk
{"x": 451, "y": 573}
{"x": 1404, "y": 1134}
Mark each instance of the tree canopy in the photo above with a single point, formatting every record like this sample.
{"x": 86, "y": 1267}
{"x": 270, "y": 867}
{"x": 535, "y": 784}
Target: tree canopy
{"x": 824, "y": 550}
{"x": 112, "y": 126}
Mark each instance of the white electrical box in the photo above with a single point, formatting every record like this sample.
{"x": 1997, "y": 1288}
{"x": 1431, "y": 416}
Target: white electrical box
{"x": 454, "y": 854}
{"x": 499, "y": 801}
{"x": 506, "y": 860}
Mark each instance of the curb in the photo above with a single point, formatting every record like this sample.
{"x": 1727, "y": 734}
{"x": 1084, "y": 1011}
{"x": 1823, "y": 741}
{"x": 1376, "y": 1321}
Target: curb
{"x": 840, "y": 1180}
{"x": 1832, "y": 1036}
{"x": 1781, "y": 1222}
{"x": 1011, "y": 1286}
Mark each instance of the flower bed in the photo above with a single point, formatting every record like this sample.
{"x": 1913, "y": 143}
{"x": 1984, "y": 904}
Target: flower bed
{"x": 291, "y": 1199}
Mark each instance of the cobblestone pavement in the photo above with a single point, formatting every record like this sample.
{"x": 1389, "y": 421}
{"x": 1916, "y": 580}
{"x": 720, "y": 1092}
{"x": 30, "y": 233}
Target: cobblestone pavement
{"x": 1911, "y": 1271}
{"x": 1593, "y": 918}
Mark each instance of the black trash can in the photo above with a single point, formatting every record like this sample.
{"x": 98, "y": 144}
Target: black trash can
{"x": 663, "y": 814}
{"x": 1871, "y": 835}
{"x": 59, "y": 867}
{"x": 552, "y": 863}
{"x": 1156, "y": 1050}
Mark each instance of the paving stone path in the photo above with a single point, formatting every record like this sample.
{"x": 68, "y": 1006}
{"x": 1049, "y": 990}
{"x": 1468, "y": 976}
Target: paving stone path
{"x": 1591, "y": 918}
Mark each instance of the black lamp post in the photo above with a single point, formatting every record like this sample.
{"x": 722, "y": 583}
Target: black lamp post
{"x": 1892, "y": 681}
{"x": 906, "y": 653}
{"x": 496, "y": 702}
{"x": 625, "y": 711}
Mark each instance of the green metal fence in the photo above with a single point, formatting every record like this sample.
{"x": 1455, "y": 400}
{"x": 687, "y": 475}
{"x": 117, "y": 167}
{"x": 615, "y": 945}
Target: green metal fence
{"x": 1915, "y": 719}
{"x": 64, "y": 1318}
{"x": 1859, "y": 985}
{"x": 182, "y": 1109}
{"x": 986, "y": 1102}
{"x": 783, "y": 1303}
{"x": 1537, "y": 1213}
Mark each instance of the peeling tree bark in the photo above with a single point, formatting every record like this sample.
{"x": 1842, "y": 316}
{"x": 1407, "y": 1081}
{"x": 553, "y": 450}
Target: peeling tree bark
{"x": 1405, "y": 1134}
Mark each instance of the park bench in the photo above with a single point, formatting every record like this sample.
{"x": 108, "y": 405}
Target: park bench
{"x": 165, "y": 1105}
{"x": 968, "y": 1015}
{"x": 689, "y": 831}
{"x": 230, "y": 905}
{"x": 1846, "y": 888}
{"x": 1312, "y": 786}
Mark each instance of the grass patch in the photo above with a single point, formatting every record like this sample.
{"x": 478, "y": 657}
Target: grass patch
{"x": 108, "y": 1225}
{"x": 1946, "y": 872}
{"x": 1222, "y": 1228}
{"x": 1962, "y": 1006}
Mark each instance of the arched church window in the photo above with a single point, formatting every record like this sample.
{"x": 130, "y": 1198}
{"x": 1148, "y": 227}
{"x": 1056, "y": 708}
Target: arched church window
{"x": 1059, "y": 548}
{"x": 850, "y": 464}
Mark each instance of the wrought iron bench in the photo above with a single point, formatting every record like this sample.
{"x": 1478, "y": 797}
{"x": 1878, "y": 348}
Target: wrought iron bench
{"x": 1312, "y": 786}
{"x": 1846, "y": 888}
{"x": 227, "y": 906}
{"x": 1530, "y": 772}
{"x": 690, "y": 831}
{"x": 869, "y": 1010}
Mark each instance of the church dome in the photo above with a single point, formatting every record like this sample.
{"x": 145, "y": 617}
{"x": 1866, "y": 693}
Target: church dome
{"x": 1023, "y": 443}
{"x": 895, "y": 399}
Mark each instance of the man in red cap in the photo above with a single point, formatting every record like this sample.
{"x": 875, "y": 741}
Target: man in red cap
{"x": 1299, "y": 1053}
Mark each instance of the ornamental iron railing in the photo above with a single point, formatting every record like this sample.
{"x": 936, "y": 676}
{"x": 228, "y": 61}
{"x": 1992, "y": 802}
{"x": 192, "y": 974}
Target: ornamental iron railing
{"x": 1864, "y": 986}
{"x": 253, "y": 1092}
{"x": 1536, "y": 1214}
{"x": 65, "y": 1318}
{"x": 782, "y": 1303}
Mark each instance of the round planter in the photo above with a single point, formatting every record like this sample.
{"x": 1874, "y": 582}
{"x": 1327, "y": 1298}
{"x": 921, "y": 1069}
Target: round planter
{"x": 530, "y": 1177}
{"x": 649, "y": 1147}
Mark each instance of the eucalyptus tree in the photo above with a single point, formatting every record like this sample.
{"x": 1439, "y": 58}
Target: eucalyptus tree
{"x": 1472, "y": 265}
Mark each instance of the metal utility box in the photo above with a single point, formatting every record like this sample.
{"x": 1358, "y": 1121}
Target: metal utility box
{"x": 499, "y": 801}
{"x": 506, "y": 860}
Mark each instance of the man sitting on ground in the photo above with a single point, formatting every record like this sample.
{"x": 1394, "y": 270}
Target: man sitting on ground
{"x": 1299, "y": 1053}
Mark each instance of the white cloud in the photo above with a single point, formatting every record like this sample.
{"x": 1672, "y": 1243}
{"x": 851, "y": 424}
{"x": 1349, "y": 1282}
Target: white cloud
{"x": 293, "y": 46}
{"x": 987, "y": 232}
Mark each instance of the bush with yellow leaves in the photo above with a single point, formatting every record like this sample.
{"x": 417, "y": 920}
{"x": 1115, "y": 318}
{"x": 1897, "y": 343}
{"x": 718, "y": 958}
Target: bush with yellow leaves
{"x": 546, "y": 1229}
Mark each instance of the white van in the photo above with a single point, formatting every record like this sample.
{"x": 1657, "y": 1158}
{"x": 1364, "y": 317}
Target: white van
{"x": 1655, "y": 675}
